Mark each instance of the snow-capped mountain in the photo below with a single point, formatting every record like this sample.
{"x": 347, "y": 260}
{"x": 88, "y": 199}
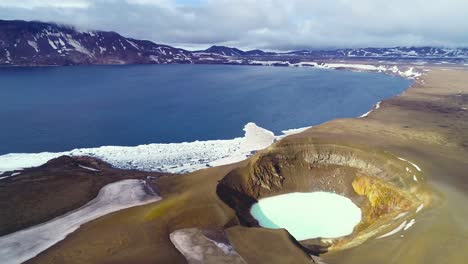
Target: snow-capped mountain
{"x": 221, "y": 50}
{"x": 396, "y": 52}
{"x": 233, "y": 52}
{"x": 37, "y": 43}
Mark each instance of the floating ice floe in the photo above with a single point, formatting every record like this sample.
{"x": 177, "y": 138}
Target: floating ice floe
{"x": 25, "y": 244}
{"x": 174, "y": 157}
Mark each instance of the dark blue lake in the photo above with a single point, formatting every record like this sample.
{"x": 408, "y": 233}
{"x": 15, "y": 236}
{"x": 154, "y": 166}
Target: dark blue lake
{"x": 62, "y": 108}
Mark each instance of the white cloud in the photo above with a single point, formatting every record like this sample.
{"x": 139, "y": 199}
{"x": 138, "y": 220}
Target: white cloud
{"x": 32, "y": 4}
{"x": 270, "y": 24}
{"x": 150, "y": 2}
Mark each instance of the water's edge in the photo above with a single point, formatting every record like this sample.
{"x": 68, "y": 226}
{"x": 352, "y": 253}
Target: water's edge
{"x": 182, "y": 157}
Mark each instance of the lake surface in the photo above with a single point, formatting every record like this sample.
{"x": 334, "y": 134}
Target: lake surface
{"x": 62, "y": 108}
{"x": 308, "y": 215}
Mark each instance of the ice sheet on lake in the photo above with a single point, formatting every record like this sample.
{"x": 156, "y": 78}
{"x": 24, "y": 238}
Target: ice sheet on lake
{"x": 174, "y": 157}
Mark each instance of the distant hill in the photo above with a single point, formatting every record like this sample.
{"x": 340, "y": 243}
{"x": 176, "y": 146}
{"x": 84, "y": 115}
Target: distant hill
{"x": 227, "y": 51}
{"x": 396, "y": 52}
{"x": 37, "y": 43}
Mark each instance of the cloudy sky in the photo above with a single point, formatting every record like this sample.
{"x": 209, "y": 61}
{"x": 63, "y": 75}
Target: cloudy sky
{"x": 266, "y": 24}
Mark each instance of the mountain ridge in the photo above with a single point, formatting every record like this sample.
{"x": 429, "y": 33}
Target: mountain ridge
{"x": 34, "y": 43}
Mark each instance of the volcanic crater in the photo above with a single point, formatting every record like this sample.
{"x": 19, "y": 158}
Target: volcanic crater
{"x": 385, "y": 187}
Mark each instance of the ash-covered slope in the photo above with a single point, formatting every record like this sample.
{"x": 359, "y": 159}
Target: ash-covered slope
{"x": 37, "y": 43}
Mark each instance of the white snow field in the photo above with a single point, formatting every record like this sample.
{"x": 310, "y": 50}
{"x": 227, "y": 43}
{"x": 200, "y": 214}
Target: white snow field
{"x": 25, "y": 244}
{"x": 308, "y": 215}
{"x": 174, "y": 157}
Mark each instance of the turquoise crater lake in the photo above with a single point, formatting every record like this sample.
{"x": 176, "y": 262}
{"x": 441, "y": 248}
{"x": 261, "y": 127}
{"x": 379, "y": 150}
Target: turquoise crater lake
{"x": 308, "y": 215}
{"x": 63, "y": 108}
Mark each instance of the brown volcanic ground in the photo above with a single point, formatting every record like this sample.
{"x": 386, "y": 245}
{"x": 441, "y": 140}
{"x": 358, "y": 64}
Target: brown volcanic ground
{"x": 40, "y": 194}
{"x": 426, "y": 125}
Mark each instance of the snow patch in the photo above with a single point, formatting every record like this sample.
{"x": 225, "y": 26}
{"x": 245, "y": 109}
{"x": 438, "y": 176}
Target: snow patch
{"x": 13, "y": 174}
{"x": 365, "y": 114}
{"x": 420, "y": 207}
{"x": 400, "y": 215}
{"x": 414, "y": 165}
{"x": 61, "y": 42}
{"x": 28, "y": 243}
{"x": 410, "y": 224}
{"x": 88, "y": 168}
{"x": 78, "y": 47}
{"x": 154, "y": 58}
{"x": 376, "y": 106}
{"x": 410, "y": 73}
{"x": 7, "y": 54}
{"x": 33, "y": 44}
{"x": 52, "y": 44}
{"x": 293, "y": 131}
{"x": 394, "y": 231}
{"x": 183, "y": 243}
{"x": 133, "y": 44}
{"x": 226, "y": 248}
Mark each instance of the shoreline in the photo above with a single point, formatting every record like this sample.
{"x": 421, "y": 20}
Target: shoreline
{"x": 227, "y": 151}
